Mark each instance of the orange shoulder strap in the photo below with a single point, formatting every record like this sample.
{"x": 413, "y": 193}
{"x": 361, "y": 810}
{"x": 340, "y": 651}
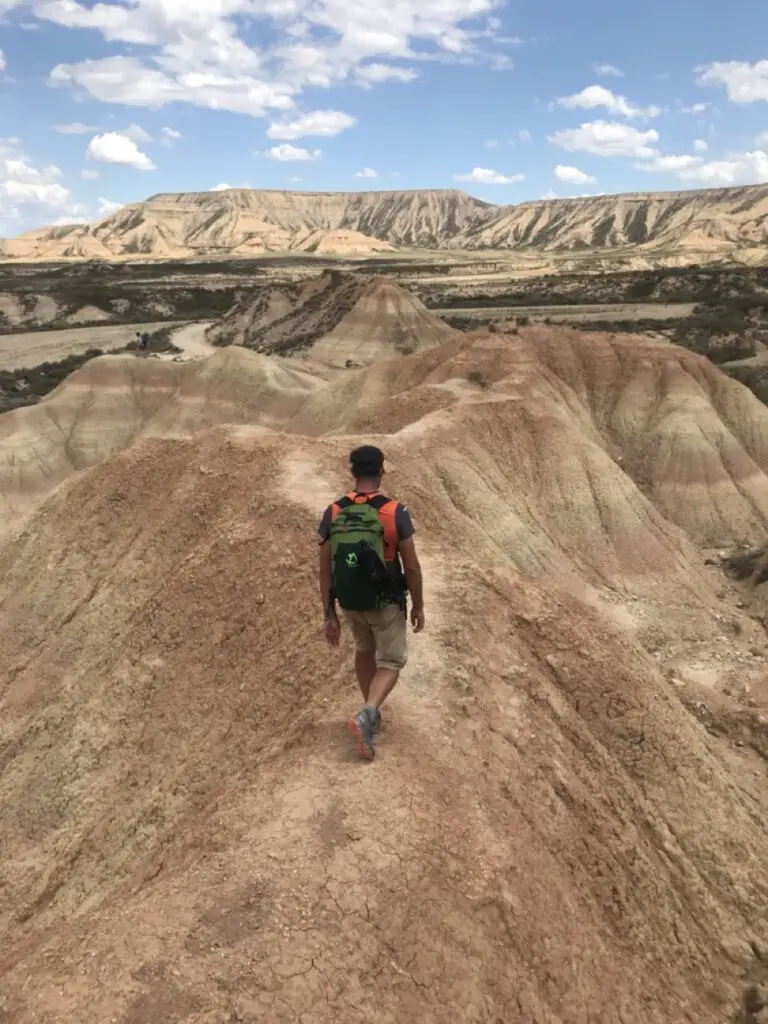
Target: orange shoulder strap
{"x": 388, "y": 517}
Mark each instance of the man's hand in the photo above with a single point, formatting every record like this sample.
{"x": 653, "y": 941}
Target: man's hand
{"x": 417, "y": 619}
{"x": 332, "y": 631}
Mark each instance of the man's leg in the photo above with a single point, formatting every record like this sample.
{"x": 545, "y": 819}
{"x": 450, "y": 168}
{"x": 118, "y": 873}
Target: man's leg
{"x": 382, "y": 685}
{"x": 391, "y": 634}
{"x": 365, "y": 667}
{"x": 389, "y": 630}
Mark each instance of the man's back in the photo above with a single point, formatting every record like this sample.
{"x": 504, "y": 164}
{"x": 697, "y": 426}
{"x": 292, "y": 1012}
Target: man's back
{"x": 369, "y": 565}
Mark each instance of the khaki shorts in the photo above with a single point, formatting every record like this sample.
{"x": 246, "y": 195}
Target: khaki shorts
{"x": 383, "y": 631}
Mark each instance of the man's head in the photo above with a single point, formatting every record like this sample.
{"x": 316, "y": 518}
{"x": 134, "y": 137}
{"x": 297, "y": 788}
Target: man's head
{"x": 367, "y": 463}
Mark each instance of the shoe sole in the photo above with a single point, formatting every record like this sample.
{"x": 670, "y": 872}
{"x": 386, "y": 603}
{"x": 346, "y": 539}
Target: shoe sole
{"x": 366, "y": 752}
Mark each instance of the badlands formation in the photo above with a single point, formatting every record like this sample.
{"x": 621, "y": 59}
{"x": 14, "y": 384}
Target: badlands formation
{"x": 342, "y": 320}
{"x": 670, "y": 227}
{"x": 566, "y": 821}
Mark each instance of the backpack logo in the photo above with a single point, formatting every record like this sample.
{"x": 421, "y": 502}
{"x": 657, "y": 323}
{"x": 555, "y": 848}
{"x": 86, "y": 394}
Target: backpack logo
{"x": 351, "y": 560}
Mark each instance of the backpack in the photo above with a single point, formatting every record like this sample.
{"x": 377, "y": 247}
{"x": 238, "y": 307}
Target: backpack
{"x": 361, "y": 581}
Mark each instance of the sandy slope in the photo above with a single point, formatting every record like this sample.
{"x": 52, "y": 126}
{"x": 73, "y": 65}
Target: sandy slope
{"x": 553, "y": 831}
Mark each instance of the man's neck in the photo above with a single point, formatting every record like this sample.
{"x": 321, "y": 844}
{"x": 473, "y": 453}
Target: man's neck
{"x": 366, "y": 487}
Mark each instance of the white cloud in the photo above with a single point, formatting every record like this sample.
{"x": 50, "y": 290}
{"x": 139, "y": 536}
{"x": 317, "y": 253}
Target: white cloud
{"x": 126, "y": 80}
{"x": 761, "y": 140}
{"x": 491, "y": 143}
{"x": 550, "y": 195}
{"x": 369, "y": 74}
{"x": 29, "y": 193}
{"x": 598, "y": 96}
{"x": 219, "y": 188}
{"x": 606, "y": 138}
{"x": 67, "y": 219}
{"x": 75, "y": 128}
{"x": 115, "y": 148}
{"x": 320, "y": 122}
{"x": 696, "y": 108}
{"x": 294, "y": 179}
{"x": 607, "y": 71}
{"x": 524, "y": 135}
{"x": 3, "y": 62}
{"x": 87, "y": 175}
{"x": 572, "y": 175}
{"x": 487, "y": 176}
{"x": 700, "y": 145}
{"x": 168, "y": 136}
{"x": 195, "y": 53}
{"x": 736, "y": 169}
{"x": 136, "y": 134}
{"x": 669, "y": 163}
{"x": 288, "y": 152}
{"x": 367, "y": 172}
{"x": 107, "y": 207}
{"x": 744, "y": 83}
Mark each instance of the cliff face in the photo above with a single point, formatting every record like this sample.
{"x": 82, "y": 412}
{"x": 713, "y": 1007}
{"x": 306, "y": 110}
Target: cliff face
{"x": 711, "y": 218}
{"x": 251, "y": 221}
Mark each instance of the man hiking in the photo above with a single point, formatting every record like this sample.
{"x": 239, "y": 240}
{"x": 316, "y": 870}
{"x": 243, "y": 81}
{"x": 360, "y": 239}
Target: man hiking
{"x": 368, "y": 563}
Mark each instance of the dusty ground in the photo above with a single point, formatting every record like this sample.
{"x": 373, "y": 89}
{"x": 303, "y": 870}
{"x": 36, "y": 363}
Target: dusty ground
{"x": 566, "y": 821}
{"x": 34, "y": 347}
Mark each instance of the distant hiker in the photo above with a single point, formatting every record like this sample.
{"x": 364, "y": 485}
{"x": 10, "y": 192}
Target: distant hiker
{"x": 144, "y": 341}
{"x": 138, "y": 341}
{"x": 368, "y": 563}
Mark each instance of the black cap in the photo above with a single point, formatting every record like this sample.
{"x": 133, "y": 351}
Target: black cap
{"x": 366, "y": 460}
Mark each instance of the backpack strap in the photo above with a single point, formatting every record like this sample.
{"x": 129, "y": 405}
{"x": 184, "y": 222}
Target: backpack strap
{"x": 376, "y": 501}
{"x": 388, "y": 515}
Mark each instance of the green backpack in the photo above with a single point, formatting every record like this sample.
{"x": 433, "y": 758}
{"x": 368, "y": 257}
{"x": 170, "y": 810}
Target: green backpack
{"x": 361, "y": 582}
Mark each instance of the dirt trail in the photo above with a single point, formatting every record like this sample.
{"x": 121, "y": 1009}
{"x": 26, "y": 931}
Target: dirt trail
{"x": 192, "y": 340}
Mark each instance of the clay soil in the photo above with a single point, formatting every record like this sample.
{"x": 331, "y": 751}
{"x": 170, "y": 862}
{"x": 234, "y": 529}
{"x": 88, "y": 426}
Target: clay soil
{"x": 566, "y": 819}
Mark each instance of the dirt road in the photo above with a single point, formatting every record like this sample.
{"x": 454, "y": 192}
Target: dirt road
{"x": 191, "y": 339}
{"x": 31, "y": 348}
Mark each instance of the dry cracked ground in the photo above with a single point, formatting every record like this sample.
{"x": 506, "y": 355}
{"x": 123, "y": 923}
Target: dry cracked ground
{"x": 566, "y": 821}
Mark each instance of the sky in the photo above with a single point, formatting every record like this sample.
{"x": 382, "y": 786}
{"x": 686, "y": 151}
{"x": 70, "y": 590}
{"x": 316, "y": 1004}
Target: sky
{"x": 106, "y": 103}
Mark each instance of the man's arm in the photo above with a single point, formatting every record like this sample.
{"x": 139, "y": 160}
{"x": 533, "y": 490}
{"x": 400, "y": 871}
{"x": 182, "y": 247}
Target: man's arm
{"x": 413, "y": 580}
{"x": 331, "y": 623}
{"x": 326, "y": 579}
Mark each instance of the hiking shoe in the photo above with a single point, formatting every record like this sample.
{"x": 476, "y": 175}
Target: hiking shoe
{"x": 377, "y": 722}
{"x": 363, "y": 727}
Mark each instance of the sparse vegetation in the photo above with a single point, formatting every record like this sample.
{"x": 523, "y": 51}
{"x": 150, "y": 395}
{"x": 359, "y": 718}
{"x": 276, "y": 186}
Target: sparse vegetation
{"x": 121, "y": 303}
{"x": 668, "y": 285}
{"x": 478, "y": 377}
{"x": 26, "y": 387}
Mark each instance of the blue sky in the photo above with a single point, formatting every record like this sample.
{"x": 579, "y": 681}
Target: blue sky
{"x": 104, "y": 103}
